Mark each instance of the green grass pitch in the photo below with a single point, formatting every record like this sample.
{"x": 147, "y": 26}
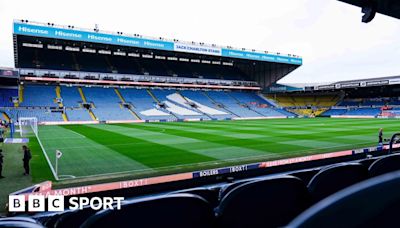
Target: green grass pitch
{"x": 103, "y": 153}
{"x": 153, "y": 149}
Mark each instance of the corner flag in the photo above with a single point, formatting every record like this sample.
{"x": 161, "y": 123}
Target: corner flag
{"x": 58, "y": 154}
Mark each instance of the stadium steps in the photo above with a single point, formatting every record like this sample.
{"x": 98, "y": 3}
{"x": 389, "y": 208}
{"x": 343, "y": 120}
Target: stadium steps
{"x": 65, "y": 117}
{"x": 269, "y": 101}
{"x": 213, "y": 101}
{"x": 152, "y": 96}
{"x": 169, "y": 112}
{"x": 58, "y": 95}
{"x": 92, "y": 115}
{"x": 184, "y": 98}
{"x": 20, "y": 95}
{"x": 240, "y": 103}
{"x": 134, "y": 114}
{"x": 119, "y": 95}
{"x": 124, "y": 102}
{"x": 6, "y": 117}
{"x": 85, "y": 101}
{"x": 158, "y": 102}
{"x": 259, "y": 113}
{"x": 234, "y": 98}
{"x": 82, "y": 95}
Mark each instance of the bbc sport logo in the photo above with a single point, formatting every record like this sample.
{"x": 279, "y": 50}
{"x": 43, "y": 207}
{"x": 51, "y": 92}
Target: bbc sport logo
{"x": 56, "y": 203}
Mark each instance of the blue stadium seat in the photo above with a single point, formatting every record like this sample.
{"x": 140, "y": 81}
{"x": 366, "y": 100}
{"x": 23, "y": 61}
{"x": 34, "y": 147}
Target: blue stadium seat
{"x": 179, "y": 210}
{"x": 39, "y": 96}
{"x": 6, "y": 97}
{"x": 20, "y": 222}
{"x": 229, "y": 187}
{"x": 231, "y": 104}
{"x": 107, "y": 104}
{"x": 368, "y": 161}
{"x": 372, "y": 203}
{"x": 263, "y": 203}
{"x": 209, "y": 194}
{"x": 42, "y": 114}
{"x": 385, "y": 165}
{"x": 73, "y": 218}
{"x": 306, "y": 175}
{"x": 19, "y": 218}
{"x": 71, "y": 97}
{"x": 334, "y": 178}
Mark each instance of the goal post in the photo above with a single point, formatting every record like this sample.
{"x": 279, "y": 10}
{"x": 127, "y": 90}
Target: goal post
{"x": 28, "y": 126}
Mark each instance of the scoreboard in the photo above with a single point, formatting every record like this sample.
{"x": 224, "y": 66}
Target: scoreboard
{"x": 9, "y": 73}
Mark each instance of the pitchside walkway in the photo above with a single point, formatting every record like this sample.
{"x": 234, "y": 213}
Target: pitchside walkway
{"x": 12, "y": 170}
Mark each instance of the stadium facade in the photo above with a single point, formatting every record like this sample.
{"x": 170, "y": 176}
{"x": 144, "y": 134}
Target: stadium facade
{"x": 69, "y": 44}
{"x": 70, "y": 75}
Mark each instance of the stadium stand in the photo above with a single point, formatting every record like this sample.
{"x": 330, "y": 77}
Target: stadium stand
{"x": 300, "y": 100}
{"x": 334, "y": 112}
{"x": 144, "y": 105}
{"x": 78, "y": 114}
{"x": 231, "y": 105}
{"x": 338, "y": 111}
{"x": 256, "y": 103}
{"x": 71, "y": 97}
{"x": 39, "y": 96}
{"x": 107, "y": 105}
{"x": 168, "y": 99}
{"x": 6, "y": 97}
{"x": 103, "y": 103}
{"x": 352, "y": 102}
{"x": 305, "y": 104}
{"x": 43, "y": 114}
{"x": 200, "y": 97}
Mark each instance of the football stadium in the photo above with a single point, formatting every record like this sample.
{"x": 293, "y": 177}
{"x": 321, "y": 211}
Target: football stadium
{"x": 190, "y": 134}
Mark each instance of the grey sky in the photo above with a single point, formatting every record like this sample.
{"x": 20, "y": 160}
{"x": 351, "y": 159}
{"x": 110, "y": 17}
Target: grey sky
{"x": 328, "y": 34}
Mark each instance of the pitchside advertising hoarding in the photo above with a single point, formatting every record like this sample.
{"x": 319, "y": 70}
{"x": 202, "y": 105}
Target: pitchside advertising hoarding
{"x": 98, "y": 37}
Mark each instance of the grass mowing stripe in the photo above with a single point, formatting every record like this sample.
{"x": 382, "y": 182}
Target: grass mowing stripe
{"x": 329, "y": 137}
{"x": 277, "y": 136}
{"x": 296, "y": 133}
{"x": 150, "y": 154}
{"x": 265, "y": 146}
{"x": 82, "y": 156}
{"x": 215, "y": 150}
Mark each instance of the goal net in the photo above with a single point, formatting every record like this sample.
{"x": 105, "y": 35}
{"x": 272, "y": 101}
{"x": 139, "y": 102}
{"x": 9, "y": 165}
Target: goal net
{"x": 28, "y": 126}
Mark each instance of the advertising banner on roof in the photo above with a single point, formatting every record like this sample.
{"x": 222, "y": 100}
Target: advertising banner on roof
{"x": 77, "y": 35}
{"x": 260, "y": 56}
{"x": 131, "y": 41}
{"x": 197, "y": 49}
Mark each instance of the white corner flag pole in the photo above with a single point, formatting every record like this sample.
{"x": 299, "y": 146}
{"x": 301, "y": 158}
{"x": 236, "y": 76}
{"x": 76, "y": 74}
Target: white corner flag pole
{"x": 58, "y": 156}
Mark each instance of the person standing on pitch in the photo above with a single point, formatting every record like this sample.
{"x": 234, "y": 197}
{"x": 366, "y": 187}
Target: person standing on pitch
{"x": 380, "y": 135}
{"x": 1, "y": 163}
{"x": 26, "y": 159}
{"x": 2, "y": 130}
{"x": 12, "y": 128}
